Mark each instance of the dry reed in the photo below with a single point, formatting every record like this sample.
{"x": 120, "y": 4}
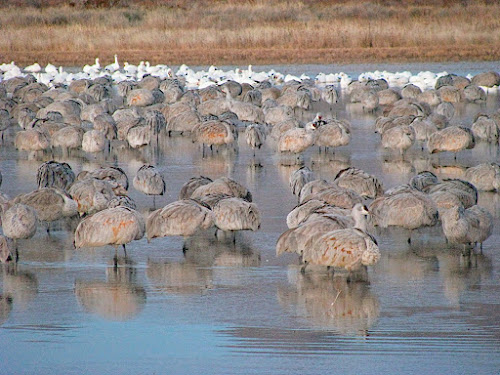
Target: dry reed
{"x": 253, "y": 32}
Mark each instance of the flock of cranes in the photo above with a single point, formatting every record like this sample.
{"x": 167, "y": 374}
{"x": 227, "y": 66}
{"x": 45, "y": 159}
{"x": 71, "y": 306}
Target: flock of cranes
{"x": 331, "y": 224}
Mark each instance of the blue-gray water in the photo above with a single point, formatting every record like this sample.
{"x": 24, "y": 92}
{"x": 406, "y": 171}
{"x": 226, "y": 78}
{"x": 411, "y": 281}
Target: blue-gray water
{"x": 237, "y": 309}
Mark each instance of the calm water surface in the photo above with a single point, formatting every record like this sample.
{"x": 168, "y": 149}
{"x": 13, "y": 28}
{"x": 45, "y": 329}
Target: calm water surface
{"x": 230, "y": 309}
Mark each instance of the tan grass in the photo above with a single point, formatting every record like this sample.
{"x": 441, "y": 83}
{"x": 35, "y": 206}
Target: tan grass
{"x": 256, "y": 32}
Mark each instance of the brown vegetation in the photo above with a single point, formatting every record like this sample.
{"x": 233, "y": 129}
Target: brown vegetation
{"x": 249, "y": 32}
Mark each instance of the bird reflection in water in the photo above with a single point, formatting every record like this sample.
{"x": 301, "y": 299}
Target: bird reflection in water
{"x": 217, "y": 164}
{"x": 204, "y": 253}
{"x": 331, "y": 303}
{"x": 18, "y": 285}
{"x": 460, "y": 272}
{"x": 327, "y": 165}
{"x": 5, "y": 307}
{"x": 118, "y": 298}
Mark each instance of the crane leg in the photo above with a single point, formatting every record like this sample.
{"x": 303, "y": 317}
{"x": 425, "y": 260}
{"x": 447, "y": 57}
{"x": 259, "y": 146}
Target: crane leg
{"x": 303, "y": 268}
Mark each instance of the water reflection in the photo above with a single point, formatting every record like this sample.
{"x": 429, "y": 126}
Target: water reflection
{"x": 5, "y": 307}
{"x": 206, "y": 258}
{"x": 119, "y": 298}
{"x": 459, "y": 272}
{"x": 331, "y": 303}
{"x": 19, "y": 285}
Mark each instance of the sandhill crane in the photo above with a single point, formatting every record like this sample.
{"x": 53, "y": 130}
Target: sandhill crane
{"x": 474, "y": 93}
{"x": 410, "y": 91}
{"x": 19, "y": 222}
{"x": 429, "y": 97}
{"x": 330, "y": 95}
{"x": 69, "y": 137}
{"x": 214, "y": 133}
{"x": 50, "y": 204}
{"x": 91, "y": 195}
{"x": 180, "y": 218}
{"x": 94, "y": 141}
{"x": 112, "y": 226}
{"x": 253, "y": 96}
{"x": 32, "y": 140}
{"x": 422, "y": 180}
{"x": 410, "y": 210}
{"x": 445, "y": 109}
{"x": 370, "y": 101}
{"x": 466, "y": 192}
{"x": 423, "y": 129}
{"x": 277, "y": 114}
{"x": 122, "y": 200}
{"x": 313, "y": 187}
{"x": 301, "y": 237}
{"x": 140, "y": 97}
{"x": 106, "y": 124}
{"x": 486, "y": 79}
{"x": 54, "y": 174}
{"x": 190, "y": 186}
{"x": 282, "y": 127}
{"x": 452, "y": 139}
{"x": 244, "y": 110}
{"x": 297, "y": 140}
{"x": 399, "y": 138}
{"x": 223, "y": 185}
{"x": 332, "y": 133}
{"x": 138, "y": 136}
{"x": 148, "y": 180}
{"x": 365, "y": 184}
{"x": 296, "y": 96}
{"x": 235, "y": 214}
{"x": 311, "y": 210}
{"x": 335, "y": 195}
{"x": 467, "y": 226}
{"x": 115, "y": 176}
{"x": 299, "y": 178}
{"x": 255, "y": 135}
{"x": 484, "y": 176}
{"x": 485, "y": 129}
{"x": 349, "y": 248}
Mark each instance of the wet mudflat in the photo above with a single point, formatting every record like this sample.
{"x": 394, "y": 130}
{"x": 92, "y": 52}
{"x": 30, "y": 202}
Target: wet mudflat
{"x": 226, "y": 308}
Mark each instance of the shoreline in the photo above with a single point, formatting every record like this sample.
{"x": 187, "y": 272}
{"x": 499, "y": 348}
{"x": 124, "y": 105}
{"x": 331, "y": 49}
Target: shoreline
{"x": 197, "y": 57}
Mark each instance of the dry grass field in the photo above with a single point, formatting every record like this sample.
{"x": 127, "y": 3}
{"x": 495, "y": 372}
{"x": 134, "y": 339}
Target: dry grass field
{"x": 248, "y": 32}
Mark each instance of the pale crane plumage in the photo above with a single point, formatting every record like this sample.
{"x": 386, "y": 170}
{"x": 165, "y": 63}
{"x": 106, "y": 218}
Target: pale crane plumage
{"x": 355, "y": 179}
{"x": 91, "y": 195}
{"x": 467, "y": 226}
{"x": 54, "y": 174}
{"x": 111, "y": 226}
{"x": 410, "y": 210}
{"x": 50, "y": 204}
{"x": 485, "y": 176}
{"x": 299, "y": 178}
{"x": 349, "y": 248}
{"x": 301, "y": 237}
{"x": 303, "y": 212}
{"x": 148, "y": 180}
{"x": 190, "y": 186}
{"x": 180, "y": 218}
{"x": 451, "y": 139}
{"x": 223, "y": 185}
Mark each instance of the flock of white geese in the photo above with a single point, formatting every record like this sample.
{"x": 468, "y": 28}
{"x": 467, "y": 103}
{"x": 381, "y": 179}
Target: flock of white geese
{"x": 132, "y": 106}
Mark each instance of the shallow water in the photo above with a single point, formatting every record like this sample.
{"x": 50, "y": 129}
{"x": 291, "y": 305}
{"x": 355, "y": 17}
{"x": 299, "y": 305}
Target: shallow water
{"x": 225, "y": 308}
